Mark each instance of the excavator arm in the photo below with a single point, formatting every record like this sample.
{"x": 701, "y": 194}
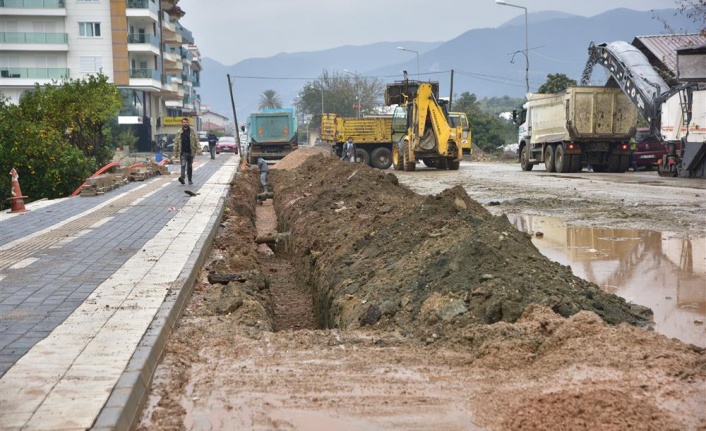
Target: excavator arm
{"x": 431, "y": 116}
{"x": 634, "y": 74}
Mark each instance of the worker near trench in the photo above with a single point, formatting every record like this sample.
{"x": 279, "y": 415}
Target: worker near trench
{"x": 262, "y": 165}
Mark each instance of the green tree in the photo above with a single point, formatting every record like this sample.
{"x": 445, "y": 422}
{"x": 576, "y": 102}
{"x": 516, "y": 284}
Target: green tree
{"x": 57, "y": 135}
{"x": 556, "y": 83}
{"x": 269, "y": 99}
{"x": 80, "y": 108}
{"x": 489, "y": 132}
{"x": 47, "y": 164}
{"x": 340, "y": 93}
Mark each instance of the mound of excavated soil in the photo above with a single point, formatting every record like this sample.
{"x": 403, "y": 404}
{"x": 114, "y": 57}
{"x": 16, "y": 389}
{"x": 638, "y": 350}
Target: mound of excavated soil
{"x": 437, "y": 268}
{"x": 376, "y": 253}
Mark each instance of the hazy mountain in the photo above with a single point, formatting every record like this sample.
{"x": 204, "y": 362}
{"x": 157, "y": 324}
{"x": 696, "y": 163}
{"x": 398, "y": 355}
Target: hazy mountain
{"x": 481, "y": 58}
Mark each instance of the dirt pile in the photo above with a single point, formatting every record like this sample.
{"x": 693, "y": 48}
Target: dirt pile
{"x": 413, "y": 282}
{"x": 378, "y": 254}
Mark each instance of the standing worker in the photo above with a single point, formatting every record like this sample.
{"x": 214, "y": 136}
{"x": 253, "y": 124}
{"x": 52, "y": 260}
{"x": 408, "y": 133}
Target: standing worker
{"x": 348, "y": 151}
{"x": 633, "y": 148}
{"x": 212, "y": 141}
{"x": 186, "y": 145}
{"x": 262, "y": 165}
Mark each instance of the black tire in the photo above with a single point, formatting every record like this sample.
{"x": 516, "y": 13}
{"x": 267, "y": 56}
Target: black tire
{"x": 441, "y": 163}
{"x": 252, "y": 160}
{"x": 562, "y": 161}
{"x": 409, "y": 165}
{"x": 429, "y": 163}
{"x": 613, "y": 163}
{"x": 397, "y": 158}
{"x": 362, "y": 156}
{"x": 381, "y": 158}
{"x": 598, "y": 168}
{"x": 524, "y": 159}
{"x": 624, "y": 163}
{"x": 549, "y": 159}
{"x": 453, "y": 165}
{"x": 575, "y": 163}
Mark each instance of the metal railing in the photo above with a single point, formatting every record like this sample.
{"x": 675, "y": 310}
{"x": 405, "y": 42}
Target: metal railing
{"x": 146, "y": 74}
{"x": 34, "y": 73}
{"x": 142, "y": 4}
{"x": 143, "y": 38}
{"x": 38, "y": 4}
{"x": 26, "y": 37}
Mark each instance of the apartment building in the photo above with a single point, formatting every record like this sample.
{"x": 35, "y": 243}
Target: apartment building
{"x": 138, "y": 44}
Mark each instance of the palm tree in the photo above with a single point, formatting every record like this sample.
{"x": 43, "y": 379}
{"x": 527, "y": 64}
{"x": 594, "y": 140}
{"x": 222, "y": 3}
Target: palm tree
{"x": 269, "y": 99}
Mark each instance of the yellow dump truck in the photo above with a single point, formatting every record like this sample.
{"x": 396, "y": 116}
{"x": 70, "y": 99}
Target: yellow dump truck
{"x": 372, "y": 136}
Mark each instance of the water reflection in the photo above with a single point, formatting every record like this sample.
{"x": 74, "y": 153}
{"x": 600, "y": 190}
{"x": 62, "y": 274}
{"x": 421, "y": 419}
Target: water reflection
{"x": 663, "y": 271}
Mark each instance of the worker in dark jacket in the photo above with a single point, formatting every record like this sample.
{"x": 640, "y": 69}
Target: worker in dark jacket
{"x": 186, "y": 146}
{"x": 212, "y": 141}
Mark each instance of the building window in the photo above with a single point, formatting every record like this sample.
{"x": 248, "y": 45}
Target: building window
{"x": 89, "y": 29}
{"x": 90, "y": 64}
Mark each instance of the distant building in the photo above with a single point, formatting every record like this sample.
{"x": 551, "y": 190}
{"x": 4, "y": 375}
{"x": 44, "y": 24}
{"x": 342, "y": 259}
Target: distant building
{"x": 138, "y": 44}
{"x": 213, "y": 121}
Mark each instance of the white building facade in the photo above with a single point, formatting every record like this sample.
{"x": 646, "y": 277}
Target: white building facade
{"x": 138, "y": 44}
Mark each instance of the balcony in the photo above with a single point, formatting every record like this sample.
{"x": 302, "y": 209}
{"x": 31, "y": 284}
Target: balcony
{"x": 33, "y": 4}
{"x": 34, "y": 73}
{"x": 142, "y": 42}
{"x": 186, "y": 36}
{"x": 32, "y": 8}
{"x": 27, "y": 42}
{"x": 143, "y": 4}
{"x": 146, "y": 79}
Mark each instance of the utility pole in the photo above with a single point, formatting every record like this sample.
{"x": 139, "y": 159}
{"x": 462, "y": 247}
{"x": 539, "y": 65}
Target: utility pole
{"x": 451, "y": 90}
{"x": 235, "y": 117}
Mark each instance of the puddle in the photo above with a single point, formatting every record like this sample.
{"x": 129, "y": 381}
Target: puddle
{"x": 660, "y": 270}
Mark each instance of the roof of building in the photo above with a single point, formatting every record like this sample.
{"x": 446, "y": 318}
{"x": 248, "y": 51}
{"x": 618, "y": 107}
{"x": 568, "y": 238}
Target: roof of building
{"x": 661, "y": 50}
{"x": 207, "y": 112}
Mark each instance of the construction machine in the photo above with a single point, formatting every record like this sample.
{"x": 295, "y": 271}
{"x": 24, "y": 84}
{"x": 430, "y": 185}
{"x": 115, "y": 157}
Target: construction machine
{"x": 423, "y": 120}
{"x": 676, "y": 113}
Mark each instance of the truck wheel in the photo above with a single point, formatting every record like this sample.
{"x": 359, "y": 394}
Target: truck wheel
{"x": 381, "y": 158}
{"x": 440, "y": 163}
{"x": 613, "y": 163}
{"x": 397, "y": 162}
{"x": 624, "y": 163}
{"x": 453, "y": 165}
{"x": 562, "y": 161}
{"x": 524, "y": 159}
{"x": 409, "y": 165}
{"x": 549, "y": 159}
{"x": 429, "y": 163}
{"x": 362, "y": 156}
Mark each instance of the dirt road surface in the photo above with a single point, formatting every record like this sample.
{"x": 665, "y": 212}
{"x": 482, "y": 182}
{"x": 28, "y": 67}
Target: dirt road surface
{"x": 357, "y": 304}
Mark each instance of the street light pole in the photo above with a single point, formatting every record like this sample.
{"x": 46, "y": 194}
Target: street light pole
{"x": 357, "y": 89}
{"x": 504, "y": 3}
{"x": 416, "y": 52}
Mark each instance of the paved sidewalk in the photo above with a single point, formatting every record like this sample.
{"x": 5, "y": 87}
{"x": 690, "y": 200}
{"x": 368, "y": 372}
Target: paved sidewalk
{"x": 90, "y": 288}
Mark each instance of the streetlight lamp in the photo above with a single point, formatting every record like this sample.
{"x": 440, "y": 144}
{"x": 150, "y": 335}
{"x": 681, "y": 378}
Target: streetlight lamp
{"x": 504, "y": 3}
{"x": 357, "y": 89}
{"x": 416, "y": 52}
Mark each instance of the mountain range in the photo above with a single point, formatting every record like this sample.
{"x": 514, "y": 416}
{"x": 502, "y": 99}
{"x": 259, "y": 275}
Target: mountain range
{"x": 487, "y": 62}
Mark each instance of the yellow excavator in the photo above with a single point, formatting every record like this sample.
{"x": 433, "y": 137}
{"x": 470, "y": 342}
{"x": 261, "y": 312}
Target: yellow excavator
{"x": 424, "y": 121}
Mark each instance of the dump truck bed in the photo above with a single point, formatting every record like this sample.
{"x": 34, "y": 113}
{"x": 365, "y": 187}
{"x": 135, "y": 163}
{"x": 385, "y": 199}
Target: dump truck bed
{"x": 582, "y": 113}
{"x": 337, "y": 129}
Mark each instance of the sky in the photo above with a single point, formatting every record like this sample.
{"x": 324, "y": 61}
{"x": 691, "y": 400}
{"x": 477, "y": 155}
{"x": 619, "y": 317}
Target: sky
{"x": 230, "y": 31}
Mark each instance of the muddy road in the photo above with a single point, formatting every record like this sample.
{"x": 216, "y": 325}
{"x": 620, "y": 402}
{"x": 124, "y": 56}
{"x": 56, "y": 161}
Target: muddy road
{"x": 425, "y": 300}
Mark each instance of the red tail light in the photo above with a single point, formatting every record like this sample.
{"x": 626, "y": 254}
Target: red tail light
{"x": 571, "y": 146}
{"x": 625, "y": 146}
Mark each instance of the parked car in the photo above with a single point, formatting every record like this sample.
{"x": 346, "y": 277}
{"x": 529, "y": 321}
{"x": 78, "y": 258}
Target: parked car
{"x": 649, "y": 149}
{"x": 203, "y": 142}
{"x": 226, "y": 144}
